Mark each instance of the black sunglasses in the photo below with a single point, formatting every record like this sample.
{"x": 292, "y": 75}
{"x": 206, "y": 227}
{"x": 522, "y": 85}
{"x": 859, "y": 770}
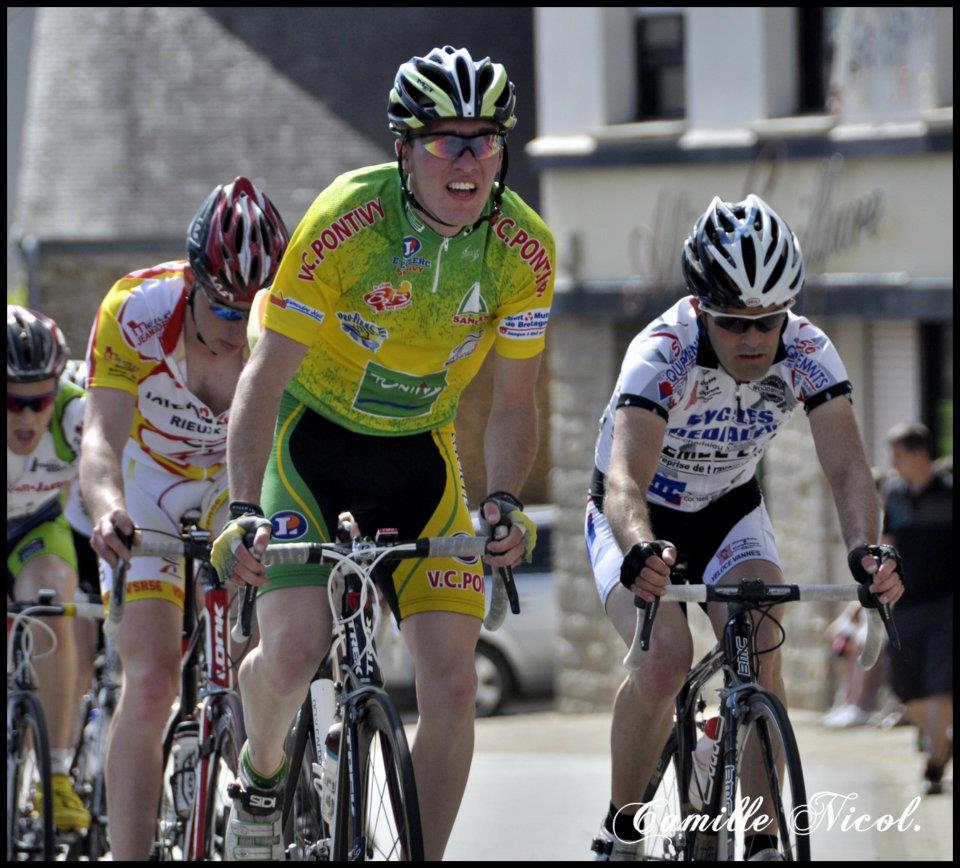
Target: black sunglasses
{"x": 738, "y": 325}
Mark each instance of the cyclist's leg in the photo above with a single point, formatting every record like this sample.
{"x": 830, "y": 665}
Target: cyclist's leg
{"x": 643, "y": 707}
{"x": 45, "y": 558}
{"x": 149, "y": 646}
{"x": 295, "y": 626}
{"x": 442, "y": 645}
{"x": 148, "y": 643}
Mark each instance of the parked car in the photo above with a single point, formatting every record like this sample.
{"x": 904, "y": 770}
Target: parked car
{"x": 516, "y": 660}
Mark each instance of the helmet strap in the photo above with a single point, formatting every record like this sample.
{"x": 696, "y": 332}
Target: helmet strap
{"x": 193, "y": 315}
{"x": 413, "y": 202}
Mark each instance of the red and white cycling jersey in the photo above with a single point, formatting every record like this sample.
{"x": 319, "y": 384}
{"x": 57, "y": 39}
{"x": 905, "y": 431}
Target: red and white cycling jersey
{"x": 137, "y": 345}
{"x": 717, "y": 429}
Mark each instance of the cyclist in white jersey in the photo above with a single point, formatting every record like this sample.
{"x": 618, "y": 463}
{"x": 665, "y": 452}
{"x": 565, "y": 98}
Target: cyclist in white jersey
{"x": 701, "y": 392}
{"x": 44, "y": 418}
{"x": 164, "y": 357}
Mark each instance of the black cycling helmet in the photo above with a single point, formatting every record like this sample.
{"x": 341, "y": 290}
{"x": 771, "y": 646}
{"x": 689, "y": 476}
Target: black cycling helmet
{"x": 36, "y": 348}
{"x": 448, "y": 83}
{"x": 742, "y": 254}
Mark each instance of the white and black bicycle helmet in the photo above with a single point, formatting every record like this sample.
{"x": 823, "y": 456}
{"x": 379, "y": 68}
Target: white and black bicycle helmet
{"x": 448, "y": 83}
{"x": 36, "y": 348}
{"x": 742, "y": 254}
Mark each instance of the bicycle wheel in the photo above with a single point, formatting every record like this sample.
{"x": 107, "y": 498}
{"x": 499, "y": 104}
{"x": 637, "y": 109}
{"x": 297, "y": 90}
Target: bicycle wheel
{"x": 379, "y": 820}
{"x": 663, "y": 798}
{"x": 88, "y": 773}
{"x": 768, "y": 768}
{"x": 223, "y": 767}
{"x": 29, "y": 824}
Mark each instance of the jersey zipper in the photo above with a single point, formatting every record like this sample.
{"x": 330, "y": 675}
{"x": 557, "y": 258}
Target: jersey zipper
{"x": 436, "y": 274}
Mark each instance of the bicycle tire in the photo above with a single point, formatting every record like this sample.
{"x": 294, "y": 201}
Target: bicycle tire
{"x": 664, "y": 796}
{"x": 228, "y": 738}
{"x": 766, "y": 725}
{"x": 28, "y": 835}
{"x": 385, "y": 802}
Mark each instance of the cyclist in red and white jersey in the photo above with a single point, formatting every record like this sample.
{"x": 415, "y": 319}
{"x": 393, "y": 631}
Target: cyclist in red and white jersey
{"x": 701, "y": 393}
{"x": 164, "y": 357}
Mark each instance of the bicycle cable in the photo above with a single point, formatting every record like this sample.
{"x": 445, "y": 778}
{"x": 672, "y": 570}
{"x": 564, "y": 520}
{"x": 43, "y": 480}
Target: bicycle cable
{"x": 27, "y": 641}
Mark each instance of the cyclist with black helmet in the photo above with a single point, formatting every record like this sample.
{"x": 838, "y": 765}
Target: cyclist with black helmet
{"x": 163, "y": 360}
{"x": 44, "y": 425}
{"x": 397, "y": 283}
{"x": 701, "y": 392}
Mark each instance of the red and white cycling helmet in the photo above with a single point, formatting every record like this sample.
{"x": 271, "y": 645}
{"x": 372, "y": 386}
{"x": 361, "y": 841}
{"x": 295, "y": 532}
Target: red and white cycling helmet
{"x": 235, "y": 242}
{"x": 36, "y": 348}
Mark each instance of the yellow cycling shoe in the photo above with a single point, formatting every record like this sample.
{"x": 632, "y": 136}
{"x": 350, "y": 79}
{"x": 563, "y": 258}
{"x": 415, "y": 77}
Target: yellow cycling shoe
{"x": 69, "y": 814}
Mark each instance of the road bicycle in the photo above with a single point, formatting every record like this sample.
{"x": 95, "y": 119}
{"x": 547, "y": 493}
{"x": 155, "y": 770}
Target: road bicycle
{"x": 205, "y": 733}
{"x": 369, "y": 809}
{"x": 754, "y": 755}
{"x": 30, "y": 831}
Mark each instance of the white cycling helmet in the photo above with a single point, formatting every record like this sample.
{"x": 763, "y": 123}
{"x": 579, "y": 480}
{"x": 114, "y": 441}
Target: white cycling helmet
{"x": 742, "y": 254}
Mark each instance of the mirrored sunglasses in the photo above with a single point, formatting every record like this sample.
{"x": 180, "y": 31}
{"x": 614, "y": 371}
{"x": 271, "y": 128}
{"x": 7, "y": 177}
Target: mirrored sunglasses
{"x": 37, "y": 403}
{"x": 448, "y": 146}
{"x": 738, "y": 325}
{"x": 221, "y": 311}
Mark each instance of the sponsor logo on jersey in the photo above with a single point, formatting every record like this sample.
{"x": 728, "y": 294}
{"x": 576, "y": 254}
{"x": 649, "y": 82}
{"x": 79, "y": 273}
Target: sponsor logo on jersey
{"x": 466, "y": 348}
{"x": 806, "y": 373}
{"x": 809, "y": 346}
{"x": 458, "y": 580}
{"x": 531, "y": 250}
{"x": 664, "y": 389}
{"x": 385, "y": 298}
{"x": 345, "y": 227}
{"x": 117, "y": 362}
{"x": 529, "y": 325}
{"x": 411, "y": 245}
{"x": 367, "y": 334}
{"x": 296, "y": 306}
{"x": 473, "y": 309}
{"x": 409, "y": 261}
{"x": 774, "y": 390}
{"x": 397, "y": 395}
{"x": 670, "y": 490}
{"x": 288, "y": 525}
{"x": 136, "y": 334}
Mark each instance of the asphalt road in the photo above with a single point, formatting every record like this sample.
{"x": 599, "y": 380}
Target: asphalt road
{"x": 539, "y": 787}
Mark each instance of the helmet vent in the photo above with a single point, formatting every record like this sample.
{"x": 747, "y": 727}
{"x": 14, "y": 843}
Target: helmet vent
{"x": 463, "y": 79}
{"x": 777, "y": 271}
{"x": 749, "y": 253}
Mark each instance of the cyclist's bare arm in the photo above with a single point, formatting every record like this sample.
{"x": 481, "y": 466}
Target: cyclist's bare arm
{"x": 253, "y": 415}
{"x": 840, "y": 451}
{"x": 106, "y": 429}
{"x": 637, "y": 442}
{"x": 510, "y": 441}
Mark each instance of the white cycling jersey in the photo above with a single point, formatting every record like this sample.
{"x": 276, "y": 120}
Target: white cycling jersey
{"x": 717, "y": 429}
{"x": 34, "y": 481}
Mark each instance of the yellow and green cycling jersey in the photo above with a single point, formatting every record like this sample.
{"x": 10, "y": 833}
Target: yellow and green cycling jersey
{"x": 397, "y": 318}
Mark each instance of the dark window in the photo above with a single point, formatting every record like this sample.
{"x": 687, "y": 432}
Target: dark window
{"x": 660, "y": 67}
{"x": 936, "y": 398}
{"x": 815, "y": 34}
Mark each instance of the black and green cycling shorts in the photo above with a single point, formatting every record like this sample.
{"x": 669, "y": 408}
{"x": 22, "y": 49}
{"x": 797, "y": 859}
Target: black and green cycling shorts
{"x": 317, "y": 469}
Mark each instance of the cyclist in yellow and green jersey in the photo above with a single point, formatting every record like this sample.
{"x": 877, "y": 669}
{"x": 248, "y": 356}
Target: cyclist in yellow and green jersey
{"x": 396, "y": 284}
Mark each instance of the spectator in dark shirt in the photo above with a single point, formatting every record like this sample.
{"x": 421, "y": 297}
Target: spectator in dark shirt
{"x": 918, "y": 520}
